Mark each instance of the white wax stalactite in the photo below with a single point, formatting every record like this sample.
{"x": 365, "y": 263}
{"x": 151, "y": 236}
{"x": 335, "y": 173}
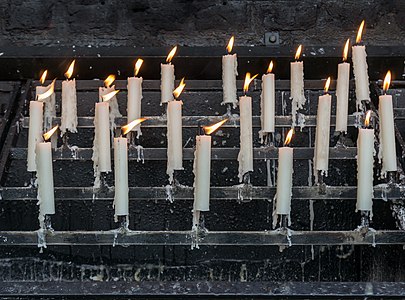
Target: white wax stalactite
{"x": 322, "y": 135}
{"x": 267, "y": 105}
{"x": 229, "y": 73}
{"x": 46, "y": 198}
{"x": 174, "y": 138}
{"x": 387, "y": 134}
{"x": 134, "y": 105}
{"x": 365, "y": 163}
{"x": 360, "y": 70}
{"x": 102, "y": 144}
{"x": 121, "y": 196}
{"x": 245, "y": 157}
{"x": 113, "y": 103}
{"x": 202, "y": 173}
{"x": 167, "y": 82}
{"x": 342, "y": 95}
{"x": 69, "y": 107}
{"x": 49, "y": 111}
{"x": 297, "y": 88}
{"x": 34, "y": 133}
{"x": 284, "y": 180}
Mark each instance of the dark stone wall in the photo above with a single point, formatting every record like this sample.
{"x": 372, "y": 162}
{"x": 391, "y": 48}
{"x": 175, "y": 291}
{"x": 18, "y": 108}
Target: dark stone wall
{"x": 197, "y": 23}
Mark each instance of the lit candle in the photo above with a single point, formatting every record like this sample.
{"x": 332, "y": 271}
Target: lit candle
{"x": 267, "y": 102}
{"x": 297, "y": 85}
{"x": 321, "y": 152}
{"x": 34, "y": 132}
{"x": 365, "y": 162}
{"x": 284, "y": 177}
{"x": 69, "y": 103}
{"x": 167, "y": 78}
{"x": 387, "y": 130}
{"x": 174, "y": 133}
{"x": 229, "y": 73}
{"x": 46, "y": 198}
{"x": 134, "y": 105}
{"x": 342, "y": 92}
{"x": 113, "y": 102}
{"x": 360, "y": 71}
{"x": 245, "y": 157}
{"x": 202, "y": 171}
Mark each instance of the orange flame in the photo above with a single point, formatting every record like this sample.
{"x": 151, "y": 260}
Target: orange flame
{"x": 367, "y": 120}
{"x": 43, "y": 77}
{"x": 138, "y": 65}
{"x": 327, "y": 84}
{"x": 171, "y": 54}
{"x": 212, "y": 128}
{"x": 108, "y": 96}
{"x": 109, "y": 80}
{"x": 127, "y": 128}
{"x": 48, "y": 135}
{"x": 346, "y": 50}
{"x": 359, "y": 32}
{"x": 69, "y": 71}
{"x": 48, "y": 93}
{"x": 248, "y": 80}
{"x": 298, "y": 53}
{"x": 179, "y": 89}
{"x": 230, "y": 44}
{"x": 289, "y": 137}
{"x": 270, "y": 68}
{"x": 387, "y": 81}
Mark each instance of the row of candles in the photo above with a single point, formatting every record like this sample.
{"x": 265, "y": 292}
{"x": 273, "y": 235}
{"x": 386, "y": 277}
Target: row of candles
{"x": 42, "y": 110}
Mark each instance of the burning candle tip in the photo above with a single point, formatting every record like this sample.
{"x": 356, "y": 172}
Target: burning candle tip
{"x": 346, "y": 50}
{"x": 171, "y": 54}
{"x": 108, "y": 96}
{"x": 270, "y": 68}
{"x": 69, "y": 71}
{"x": 248, "y": 80}
{"x": 360, "y": 32}
{"x": 43, "y": 76}
{"x": 298, "y": 52}
{"x": 109, "y": 80}
{"x": 289, "y": 137}
{"x": 230, "y": 44}
{"x": 368, "y": 117}
{"x": 127, "y": 128}
{"x": 138, "y": 65}
{"x": 327, "y": 84}
{"x": 179, "y": 89}
{"x": 48, "y": 134}
{"x": 387, "y": 81}
{"x": 212, "y": 128}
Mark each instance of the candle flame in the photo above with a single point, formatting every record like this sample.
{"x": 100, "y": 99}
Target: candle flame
{"x": 298, "y": 53}
{"x": 270, "y": 68}
{"x": 48, "y": 135}
{"x": 109, "y": 80}
{"x": 43, "y": 77}
{"x": 69, "y": 71}
{"x": 138, "y": 65}
{"x": 248, "y": 80}
{"x": 387, "y": 81}
{"x": 289, "y": 137}
{"x": 230, "y": 44}
{"x": 179, "y": 89}
{"x": 108, "y": 96}
{"x": 171, "y": 54}
{"x": 346, "y": 50}
{"x": 327, "y": 84}
{"x": 212, "y": 128}
{"x": 360, "y": 32}
{"x": 367, "y": 120}
{"x": 48, "y": 93}
{"x": 127, "y": 128}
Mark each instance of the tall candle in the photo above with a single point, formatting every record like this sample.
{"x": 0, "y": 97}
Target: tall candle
{"x": 267, "y": 102}
{"x": 297, "y": 85}
{"x": 134, "y": 107}
{"x": 167, "y": 78}
{"x": 102, "y": 144}
{"x": 34, "y": 133}
{"x": 322, "y": 135}
{"x": 69, "y": 103}
{"x": 342, "y": 92}
{"x": 113, "y": 102}
{"x": 229, "y": 73}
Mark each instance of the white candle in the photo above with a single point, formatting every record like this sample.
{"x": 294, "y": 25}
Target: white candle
{"x": 297, "y": 85}
{"x": 322, "y": 135}
{"x": 284, "y": 180}
{"x": 245, "y": 157}
{"x": 174, "y": 138}
{"x": 267, "y": 102}
{"x": 102, "y": 145}
{"x": 167, "y": 78}
{"x": 121, "y": 197}
{"x": 69, "y": 103}
{"x": 34, "y": 133}
{"x": 229, "y": 73}
{"x": 342, "y": 92}
{"x": 365, "y": 162}
{"x": 202, "y": 173}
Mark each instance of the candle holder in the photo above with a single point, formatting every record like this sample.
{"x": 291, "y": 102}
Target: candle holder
{"x": 124, "y": 224}
{"x": 321, "y": 183}
{"x": 33, "y": 181}
{"x": 392, "y": 177}
{"x": 283, "y": 229}
{"x": 48, "y": 223}
{"x": 65, "y": 139}
{"x": 198, "y": 230}
{"x": 245, "y": 189}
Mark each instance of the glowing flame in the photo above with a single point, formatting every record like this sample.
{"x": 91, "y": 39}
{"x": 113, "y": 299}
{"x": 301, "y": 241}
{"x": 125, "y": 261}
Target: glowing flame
{"x": 230, "y": 44}
{"x": 171, "y": 54}
{"x": 109, "y": 80}
{"x": 289, "y": 137}
{"x": 69, "y": 72}
{"x": 108, "y": 96}
{"x": 48, "y": 135}
{"x": 387, "y": 81}
{"x": 359, "y": 33}
{"x": 248, "y": 80}
{"x": 367, "y": 120}
{"x": 48, "y": 93}
{"x": 270, "y": 68}
{"x": 43, "y": 77}
{"x": 179, "y": 89}
{"x": 127, "y": 128}
{"x": 212, "y": 128}
{"x": 138, "y": 65}
{"x": 298, "y": 53}
{"x": 346, "y": 50}
{"x": 327, "y": 84}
